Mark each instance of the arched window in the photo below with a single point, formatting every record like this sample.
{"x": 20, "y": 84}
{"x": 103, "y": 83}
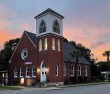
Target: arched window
{"x": 21, "y": 72}
{"x": 42, "y": 27}
{"x": 71, "y": 70}
{"x": 58, "y": 44}
{"x": 34, "y": 71}
{"x": 53, "y": 44}
{"x": 27, "y": 71}
{"x": 64, "y": 69}
{"x": 85, "y": 70}
{"x": 45, "y": 44}
{"x": 15, "y": 72}
{"x": 56, "y": 27}
{"x": 40, "y": 45}
{"x": 79, "y": 70}
{"x": 56, "y": 70}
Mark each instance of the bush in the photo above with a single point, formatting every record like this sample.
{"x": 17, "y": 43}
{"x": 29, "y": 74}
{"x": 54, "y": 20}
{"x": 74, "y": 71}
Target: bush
{"x": 93, "y": 78}
{"x": 73, "y": 80}
{"x": 80, "y": 79}
{"x": 15, "y": 81}
{"x": 101, "y": 77}
{"x": 109, "y": 77}
{"x": 85, "y": 78}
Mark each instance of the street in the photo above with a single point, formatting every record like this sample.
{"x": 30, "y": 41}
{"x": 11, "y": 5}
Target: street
{"x": 94, "y": 89}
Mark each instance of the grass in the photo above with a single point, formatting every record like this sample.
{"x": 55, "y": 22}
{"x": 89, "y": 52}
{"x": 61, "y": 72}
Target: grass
{"x": 9, "y": 88}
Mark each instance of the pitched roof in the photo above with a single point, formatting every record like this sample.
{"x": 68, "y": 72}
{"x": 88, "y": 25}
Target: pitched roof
{"x": 49, "y": 11}
{"x": 68, "y": 48}
{"x": 32, "y": 36}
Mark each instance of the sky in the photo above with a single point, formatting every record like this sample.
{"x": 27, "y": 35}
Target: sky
{"x": 86, "y": 21}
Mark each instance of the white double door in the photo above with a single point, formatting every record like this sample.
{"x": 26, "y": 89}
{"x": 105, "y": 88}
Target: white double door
{"x": 43, "y": 73}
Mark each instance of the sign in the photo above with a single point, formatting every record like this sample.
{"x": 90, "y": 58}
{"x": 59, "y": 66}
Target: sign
{"x": 28, "y": 63}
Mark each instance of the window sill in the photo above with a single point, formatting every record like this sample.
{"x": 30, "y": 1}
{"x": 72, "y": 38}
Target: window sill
{"x": 34, "y": 76}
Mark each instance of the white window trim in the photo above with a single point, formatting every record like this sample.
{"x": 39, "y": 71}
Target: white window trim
{"x": 45, "y": 44}
{"x": 58, "y": 44}
{"x": 33, "y": 71}
{"x": 64, "y": 69}
{"x": 86, "y": 70}
{"x": 56, "y": 70}
{"x": 20, "y": 72}
{"x": 15, "y": 73}
{"x": 71, "y": 70}
{"x": 79, "y": 70}
{"x": 26, "y": 72}
{"x": 40, "y": 45}
{"x": 53, "y": 43}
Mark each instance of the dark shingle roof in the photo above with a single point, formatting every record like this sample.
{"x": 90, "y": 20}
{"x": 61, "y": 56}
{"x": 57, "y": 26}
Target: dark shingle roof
{"x": 69, "y": 48}
{"x": 32, "y": 36}
{"x": 49, "y": 11}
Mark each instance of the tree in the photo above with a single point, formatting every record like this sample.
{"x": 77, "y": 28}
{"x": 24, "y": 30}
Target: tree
{"x": 76, "y": 54}
{"x": 107, "y": 54}
{"x": 6, "y": 53}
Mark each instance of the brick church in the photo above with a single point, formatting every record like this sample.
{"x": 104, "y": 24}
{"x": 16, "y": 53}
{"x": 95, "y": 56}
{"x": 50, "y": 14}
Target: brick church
{"x": 44, "y": 56}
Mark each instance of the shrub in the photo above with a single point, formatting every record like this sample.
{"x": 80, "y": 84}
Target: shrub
{"x": 109, "y": 77}
{"x": 73, "y": 80}
{"x": 80, "y": 79}
{"x": 93, "y": 78}
{"x": 101, "y": 77}
{"x": 85, "y": 78}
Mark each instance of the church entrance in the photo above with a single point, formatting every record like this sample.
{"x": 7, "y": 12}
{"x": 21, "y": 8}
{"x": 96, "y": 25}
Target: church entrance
{"x": 43, "y": 72}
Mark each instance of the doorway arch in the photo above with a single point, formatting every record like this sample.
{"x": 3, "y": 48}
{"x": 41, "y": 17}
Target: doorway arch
{"x": 43, "y": 72}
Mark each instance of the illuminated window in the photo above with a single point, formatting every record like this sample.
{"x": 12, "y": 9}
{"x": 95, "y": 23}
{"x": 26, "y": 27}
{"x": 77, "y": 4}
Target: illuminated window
{"x": 58, "y": 45}
{"x": 15, "y": 72}
{"x": 40, "y": 45}
{"x": 79, "y": 70}
{"x": 53, "y": 44}
{"x": 64, "y": 69}
{"x": 45, "y": 44}
{"x": 56, "y": 70}
{"x": 21, "y": 72}
{"x": 42, "y": 27}
{"x": 56, "y": 27}
{"x": 27, "y": 71}
{"x": 34, "y": 71}
{"x": 71, "y": 70}
{"x": 85, "y": 70}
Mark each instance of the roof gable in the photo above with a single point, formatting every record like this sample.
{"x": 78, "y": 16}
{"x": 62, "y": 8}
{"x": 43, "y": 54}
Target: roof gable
{"x": 49, "y": 11}
{"x": 31, "y": 36}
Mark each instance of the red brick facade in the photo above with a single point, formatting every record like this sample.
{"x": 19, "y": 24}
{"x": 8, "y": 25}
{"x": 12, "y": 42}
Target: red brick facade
{"x": 49, "y": 63}
{"x": 18, "y": 62}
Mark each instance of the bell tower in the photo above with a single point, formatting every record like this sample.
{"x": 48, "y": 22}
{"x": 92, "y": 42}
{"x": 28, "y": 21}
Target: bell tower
{"x": 49, "y": 33}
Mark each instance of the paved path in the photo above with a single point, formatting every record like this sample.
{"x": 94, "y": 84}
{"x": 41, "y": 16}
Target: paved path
{"x": 95, "y": 89}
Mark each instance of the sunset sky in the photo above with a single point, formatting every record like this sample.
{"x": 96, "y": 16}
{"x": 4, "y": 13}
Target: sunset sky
{"x": 86, "y": 21}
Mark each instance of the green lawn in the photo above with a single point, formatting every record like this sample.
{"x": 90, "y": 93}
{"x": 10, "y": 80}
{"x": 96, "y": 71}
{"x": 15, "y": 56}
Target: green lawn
{"x": 9, "y": 88}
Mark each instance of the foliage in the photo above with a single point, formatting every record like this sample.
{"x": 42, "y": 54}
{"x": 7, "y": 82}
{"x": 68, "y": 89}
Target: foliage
{"x": 72, "y": 79}
{"x": 93, "y": 78}
{"x": 85, "y": 78}
{"x": 5, "y": 54}
{"x": 103, "y": 65}
{"x": 101, "y": 77}
{"x": 107, "y": 54}
{"x": 109, "y": 77}
{"x": 80, "y": 79}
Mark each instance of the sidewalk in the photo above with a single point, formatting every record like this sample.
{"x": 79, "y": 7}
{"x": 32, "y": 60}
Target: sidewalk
{"x": 86, "y": 84}
{"x": 57, "y": 87}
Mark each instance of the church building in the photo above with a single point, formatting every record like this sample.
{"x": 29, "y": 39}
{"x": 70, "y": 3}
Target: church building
{"x": 44, "y": 56}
